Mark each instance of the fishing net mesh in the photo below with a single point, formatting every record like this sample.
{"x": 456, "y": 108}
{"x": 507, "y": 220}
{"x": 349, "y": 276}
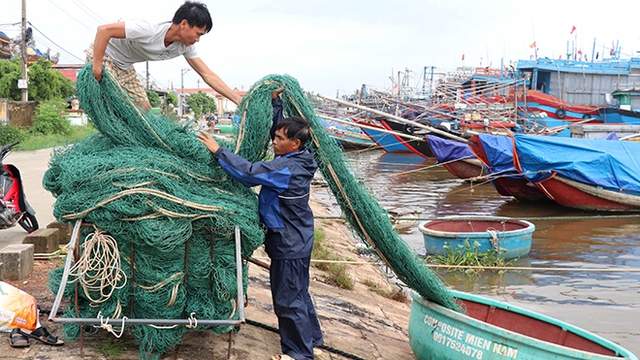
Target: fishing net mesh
{"x": 146, "y": 181}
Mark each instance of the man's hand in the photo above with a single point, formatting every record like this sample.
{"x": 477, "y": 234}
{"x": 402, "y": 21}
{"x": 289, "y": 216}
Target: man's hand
{"x": 274, "y": 94}
{"x": 97, "y": 72}
{"x": 208, "y": 141}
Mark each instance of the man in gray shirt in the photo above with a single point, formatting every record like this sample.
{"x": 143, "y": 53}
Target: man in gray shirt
{"x": 120, "y": 45}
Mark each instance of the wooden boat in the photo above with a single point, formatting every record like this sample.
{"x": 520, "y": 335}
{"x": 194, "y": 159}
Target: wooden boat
{"x": 417, "y": 147}
{"x": 583, "y": 196}
{"x": 493, "y": 330}
{"x": 587, "y": 174}
{"x": 509, "y": 238}
{"x": 350, "y": 137}
{"x": 496, "y": 153}
{"x": 456, "y": 157}
{"x": 386, "y": 141}
{"x": 556, "y": 108}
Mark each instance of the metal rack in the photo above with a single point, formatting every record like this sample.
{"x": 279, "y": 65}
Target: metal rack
{"x": 73, "y": 255}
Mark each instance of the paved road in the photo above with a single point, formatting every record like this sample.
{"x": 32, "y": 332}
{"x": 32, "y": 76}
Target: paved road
{"x": 32, "y": 165}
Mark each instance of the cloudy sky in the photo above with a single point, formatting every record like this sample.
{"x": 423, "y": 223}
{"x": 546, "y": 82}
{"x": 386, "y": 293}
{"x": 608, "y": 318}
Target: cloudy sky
{"x": 334, "y": 46}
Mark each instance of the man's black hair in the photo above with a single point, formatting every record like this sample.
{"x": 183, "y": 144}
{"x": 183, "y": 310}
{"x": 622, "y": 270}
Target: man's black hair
{"x": 196, "y": 14}
{"x": 296, "y": 128}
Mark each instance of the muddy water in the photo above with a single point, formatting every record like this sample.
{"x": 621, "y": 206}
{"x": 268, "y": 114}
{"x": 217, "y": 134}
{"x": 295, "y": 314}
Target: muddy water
{"x": 576, "y": 249}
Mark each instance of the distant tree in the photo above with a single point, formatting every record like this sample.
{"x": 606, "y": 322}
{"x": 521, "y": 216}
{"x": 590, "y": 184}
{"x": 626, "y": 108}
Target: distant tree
{"x": 45, "y": 83}
{"x": 154, "y": 98}
{"x": 201, "y": 103}
{"x": 172, "y": 99}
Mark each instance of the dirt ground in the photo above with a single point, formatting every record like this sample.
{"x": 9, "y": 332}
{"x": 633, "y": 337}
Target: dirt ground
{"x": 355, "y": 322}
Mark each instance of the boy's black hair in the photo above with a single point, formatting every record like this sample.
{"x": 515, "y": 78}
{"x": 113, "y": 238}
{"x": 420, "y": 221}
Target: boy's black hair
{"x": 196, "y": 14}
{"x": 296, "y": 128}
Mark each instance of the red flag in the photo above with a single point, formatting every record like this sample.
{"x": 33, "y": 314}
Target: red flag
{"x": 580, "y": 52}
{"x": 462, "y": 57}
{"x": 572, "y": 30}
{"x": 533, "y": 45}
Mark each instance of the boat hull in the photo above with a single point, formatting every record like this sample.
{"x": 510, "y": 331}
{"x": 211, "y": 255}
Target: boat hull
{"x": 584, "y": 197}
{"x": 510, "y": 238}
{"x": 493, "y": 330}
{"x": 465, "y": 168}
{"x": 387, "y": 142}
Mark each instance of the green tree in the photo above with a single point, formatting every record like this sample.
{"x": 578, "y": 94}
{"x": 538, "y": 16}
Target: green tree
{"x": 9, "y": 75}
{"x": 45, "y": 83}
{"x": 154, "y": 98}
{"x": 49, "y": 119}
{"x": 172, "y": 99}
{"x": 201, "y": 103}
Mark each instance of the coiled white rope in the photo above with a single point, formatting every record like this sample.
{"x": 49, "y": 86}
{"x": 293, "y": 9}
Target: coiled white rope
{"x": 98, "y": 268}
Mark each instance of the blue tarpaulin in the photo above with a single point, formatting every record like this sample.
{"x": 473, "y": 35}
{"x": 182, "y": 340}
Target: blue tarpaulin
{"x": 449, "y": 150}
{"x": 613, "y": 165}
{"x": 499, "y": 153}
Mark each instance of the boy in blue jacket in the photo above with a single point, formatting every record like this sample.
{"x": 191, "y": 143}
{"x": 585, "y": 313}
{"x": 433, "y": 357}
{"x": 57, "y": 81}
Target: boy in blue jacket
{"x": 284, "y": 209}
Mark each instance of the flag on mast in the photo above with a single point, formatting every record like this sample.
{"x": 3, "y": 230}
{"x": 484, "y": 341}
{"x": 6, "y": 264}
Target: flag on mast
{"x": 532, "y": 45}
{"x": 573, "y": 28}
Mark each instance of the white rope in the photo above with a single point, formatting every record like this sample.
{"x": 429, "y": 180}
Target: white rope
{"x": 195, "y": 321}
{"x": 104, "y": 324}
{"x": 98, "y": 268}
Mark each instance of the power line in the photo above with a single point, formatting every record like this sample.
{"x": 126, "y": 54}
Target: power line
{"x": 79, "y": 22}
{"x": 54, "y": 43}
{"x": 100, "y": 20}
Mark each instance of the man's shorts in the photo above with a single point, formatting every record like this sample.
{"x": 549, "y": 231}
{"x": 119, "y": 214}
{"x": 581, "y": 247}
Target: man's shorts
{"x": 128, "y": 79}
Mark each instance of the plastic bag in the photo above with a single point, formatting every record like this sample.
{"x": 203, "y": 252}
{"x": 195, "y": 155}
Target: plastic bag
{"x": 17, "y": 309}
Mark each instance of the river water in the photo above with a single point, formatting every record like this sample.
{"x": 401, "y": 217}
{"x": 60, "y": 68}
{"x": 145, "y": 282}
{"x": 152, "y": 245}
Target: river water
{"x": 576, "y": 249}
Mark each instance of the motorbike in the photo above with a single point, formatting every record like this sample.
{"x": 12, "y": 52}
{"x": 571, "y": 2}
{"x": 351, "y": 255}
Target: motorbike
{"x": 14, "y": 207}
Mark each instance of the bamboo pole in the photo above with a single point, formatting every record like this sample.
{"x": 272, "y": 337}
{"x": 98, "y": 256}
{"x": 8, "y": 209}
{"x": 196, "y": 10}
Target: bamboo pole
{"x": 398, "y": 119}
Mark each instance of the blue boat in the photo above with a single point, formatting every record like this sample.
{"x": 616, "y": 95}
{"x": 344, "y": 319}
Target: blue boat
{"x": 349, "y": 137}
{"x": 385, "y": 140}
{"x": 493, "y": 330}
{"x": 508, "y": 238}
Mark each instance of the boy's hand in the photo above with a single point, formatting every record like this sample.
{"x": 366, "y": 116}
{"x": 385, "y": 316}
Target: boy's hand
{"x": 208, "y": 141}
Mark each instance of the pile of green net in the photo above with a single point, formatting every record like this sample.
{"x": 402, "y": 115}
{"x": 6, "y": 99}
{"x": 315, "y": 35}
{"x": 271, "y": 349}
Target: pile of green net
{"x": 151, "y": 185}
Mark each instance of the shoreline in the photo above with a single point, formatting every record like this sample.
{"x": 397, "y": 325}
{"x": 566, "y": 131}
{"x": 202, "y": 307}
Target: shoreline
{"x": 360, "y": 322}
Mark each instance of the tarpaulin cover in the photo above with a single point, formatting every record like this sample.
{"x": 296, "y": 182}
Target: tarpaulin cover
{"x": 499, "y": 153}
{"x": 448, "y": 150}
{"x": 613, "y": 165}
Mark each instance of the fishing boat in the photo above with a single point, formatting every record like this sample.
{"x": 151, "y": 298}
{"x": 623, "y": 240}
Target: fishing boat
{"x": 552, "y": 107}
{"x": 456, "y": 157}
{"x": 386, "y": 141}
{"x": 508, "y": 238}
{"x": 349, "y": 137}
{"x": 493, "y": 330}
{"x": 587, "y": 174}
{"x": 496, "y": 153}
{"x": 416, "y": 146}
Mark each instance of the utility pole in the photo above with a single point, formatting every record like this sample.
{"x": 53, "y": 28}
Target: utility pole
{"x": 24, "y": 81}
{"x": 147, "y": 75}
{"x": 181, "y": 98}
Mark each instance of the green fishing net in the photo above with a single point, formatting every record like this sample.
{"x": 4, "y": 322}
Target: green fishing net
{"x": 146, "y": 181}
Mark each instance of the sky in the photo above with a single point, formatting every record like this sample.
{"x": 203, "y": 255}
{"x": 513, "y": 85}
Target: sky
{"x": 333, "y": 47}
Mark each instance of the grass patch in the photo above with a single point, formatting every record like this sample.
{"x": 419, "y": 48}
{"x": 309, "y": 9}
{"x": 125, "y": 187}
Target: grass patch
{"x": 39, "y": 141}
{"x": 117, "y": 348}
{"x": 337, "y": 274}
{"x": 397, "y": 295}
{"x": 469, "y": 255}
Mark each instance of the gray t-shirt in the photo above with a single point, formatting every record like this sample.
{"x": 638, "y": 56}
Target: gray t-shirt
{"x": 145, "y": 42}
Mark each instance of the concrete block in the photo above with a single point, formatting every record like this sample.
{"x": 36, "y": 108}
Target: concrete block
{"x": 17, "y": 260}
{"x": 45, "y": 241}
{"x": 64, "y": 231}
